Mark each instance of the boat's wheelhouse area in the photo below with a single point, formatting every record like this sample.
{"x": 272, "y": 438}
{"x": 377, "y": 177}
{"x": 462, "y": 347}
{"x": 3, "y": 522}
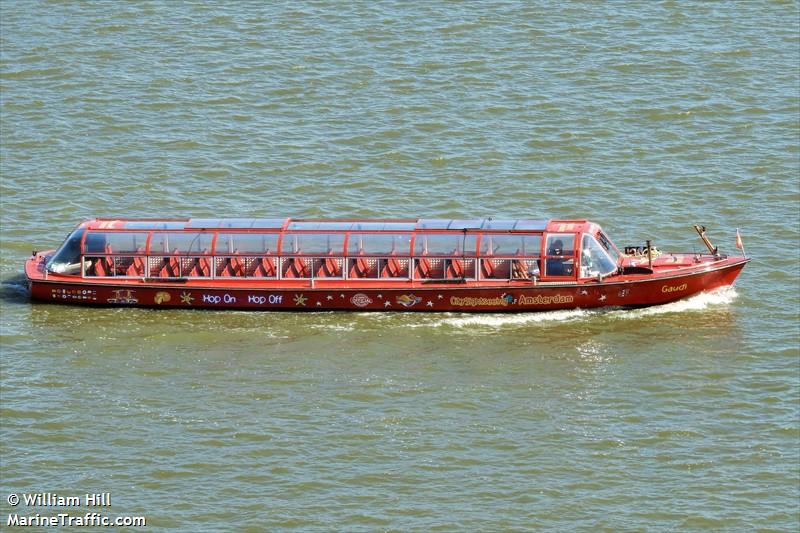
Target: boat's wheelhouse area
{"x": 425, "y": 250}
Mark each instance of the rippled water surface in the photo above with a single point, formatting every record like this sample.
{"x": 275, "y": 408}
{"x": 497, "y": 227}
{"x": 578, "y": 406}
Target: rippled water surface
{"x": 644, "y": 116}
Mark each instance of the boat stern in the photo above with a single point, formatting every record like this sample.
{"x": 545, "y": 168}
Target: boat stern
{"x": 35, "y": 266}
{"x": 36, "y": 274}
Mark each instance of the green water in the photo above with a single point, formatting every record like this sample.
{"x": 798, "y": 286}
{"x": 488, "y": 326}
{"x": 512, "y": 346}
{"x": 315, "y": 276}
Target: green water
{"x": 646, "y": 117}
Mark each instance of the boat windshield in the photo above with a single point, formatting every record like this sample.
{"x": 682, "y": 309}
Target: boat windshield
{"x": 67, "y": 259}
{"x": 594, "y": 259}
{"x": 608, "y": 246}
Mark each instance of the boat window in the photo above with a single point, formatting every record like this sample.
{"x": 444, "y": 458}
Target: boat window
{"x": 429, "y": 268}
{"x": 447, "y": 223}
{"x": 499, "y": 224}
{"x": 379, "y": 244}
{"x": 313, "y": 243}
{"x": 444, "y": 244}
{"x": 444, "y": 268}
{"x": 115, "y": 266}
{"x": 328, "y": 267}
{"x": 560, "y": 244}
{"x": 514, "y": 224}
{"x": 95, "y": 243}
{"x": 469, "y": 223}
{"x": 113, "y": 242}
{"x": 383, "y": 226}
{"x": 319, "y": 225}
{"x": 530, "y": 225}
{"x": 68, "y": 257}
{"x": 271, "y": 223}
{"x": 245, "y": 267}
{"x": 246, "y": 243}
{"x": 433, "y": 223}
{"x": 183, "y": 243}
{"x": 295, "y": 267}
{"x": 154, "y": 224}
{"x": 178, "y": 267}
{"x": 609, "y": 247}
{"x": 509, "y": 268}
{"x": 511, "y": 244}
{"x": 594, "y": 259}
{"x": 560, "y": 251}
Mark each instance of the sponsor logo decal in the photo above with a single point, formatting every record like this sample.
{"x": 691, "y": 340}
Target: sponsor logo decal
{"x": 161, "y": 297}
{"x": 123, "y": 296}
{"x": 469, "y": 301}
{"x": 360, "y": 300}
{"x": 546, "y": 300}
{"x": 408, "y": 300}
{"x": 674, "y": 288}
{"x": 74, "y": 294}
{"x": 504, "y": 300}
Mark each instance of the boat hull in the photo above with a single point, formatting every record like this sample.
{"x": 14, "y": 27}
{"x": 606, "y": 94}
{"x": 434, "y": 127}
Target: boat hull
{"x": 520, "y": 296}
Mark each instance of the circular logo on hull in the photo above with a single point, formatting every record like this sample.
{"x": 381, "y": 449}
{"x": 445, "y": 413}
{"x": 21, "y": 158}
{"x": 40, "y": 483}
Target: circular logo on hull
{"x": 360, "y": 300}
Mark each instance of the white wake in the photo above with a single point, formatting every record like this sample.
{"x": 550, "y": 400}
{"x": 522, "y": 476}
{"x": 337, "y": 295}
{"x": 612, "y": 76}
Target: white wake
{"x": 699, "y": 302}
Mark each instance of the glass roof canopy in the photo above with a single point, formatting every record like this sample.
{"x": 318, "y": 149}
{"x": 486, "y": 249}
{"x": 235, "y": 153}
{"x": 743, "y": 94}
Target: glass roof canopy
{"x": 340, "y": 225}
{"x": 237, "y": 223}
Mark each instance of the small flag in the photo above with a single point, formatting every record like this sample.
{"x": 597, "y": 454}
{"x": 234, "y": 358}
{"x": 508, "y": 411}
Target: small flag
{"x": 739, "y": 243}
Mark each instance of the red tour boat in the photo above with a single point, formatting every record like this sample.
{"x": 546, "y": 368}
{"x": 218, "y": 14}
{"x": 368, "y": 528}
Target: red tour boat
{"x": 366, "y": 265}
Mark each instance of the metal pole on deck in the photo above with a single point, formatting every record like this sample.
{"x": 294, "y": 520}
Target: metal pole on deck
{"x": 740, "y": 243}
